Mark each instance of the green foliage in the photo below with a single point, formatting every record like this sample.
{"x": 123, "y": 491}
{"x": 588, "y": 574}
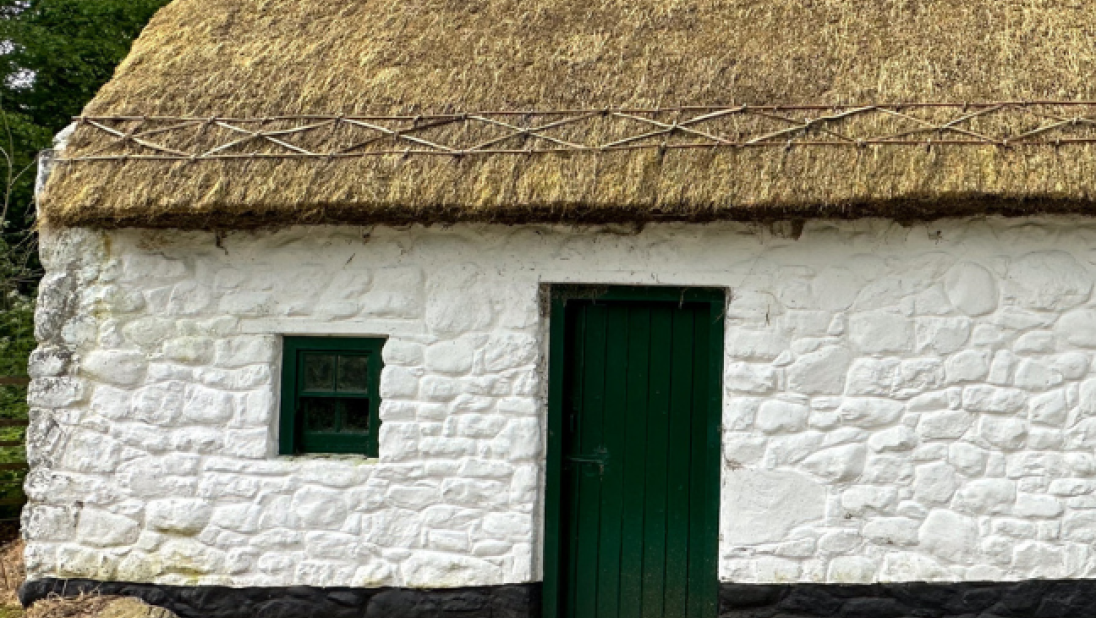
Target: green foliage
{"x": 70, "y": 46}
{"x": 16, "y": 335}
{"x": 16, "y": 343}
{"x": 22, "y": 139}
{"x": 60, "y": 53}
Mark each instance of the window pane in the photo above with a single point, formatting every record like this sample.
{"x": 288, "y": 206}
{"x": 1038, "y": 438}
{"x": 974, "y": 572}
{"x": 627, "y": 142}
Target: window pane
{"x": 353, "y": 374}
{"x": 319, "y": 414}
{"x": 355, "y": 415}
{"x": 319, "y": 372}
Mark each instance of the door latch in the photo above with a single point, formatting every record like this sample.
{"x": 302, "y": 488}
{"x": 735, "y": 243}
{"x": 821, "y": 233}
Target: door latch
{"x": 599, "y": 458}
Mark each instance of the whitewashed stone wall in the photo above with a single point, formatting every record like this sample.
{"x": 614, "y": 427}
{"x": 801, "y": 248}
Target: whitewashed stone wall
{"x": 902, "y": 403}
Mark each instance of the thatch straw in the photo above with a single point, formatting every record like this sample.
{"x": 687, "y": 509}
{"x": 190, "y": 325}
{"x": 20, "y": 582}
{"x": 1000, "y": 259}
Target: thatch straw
{"x": 12, "y": 575}
{"x": 91, "y": 605}
{"x": 261, "y": 58}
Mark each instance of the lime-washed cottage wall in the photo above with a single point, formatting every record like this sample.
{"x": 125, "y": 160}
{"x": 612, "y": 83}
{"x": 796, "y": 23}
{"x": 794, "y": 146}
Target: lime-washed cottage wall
{"x": 900, "y": 403}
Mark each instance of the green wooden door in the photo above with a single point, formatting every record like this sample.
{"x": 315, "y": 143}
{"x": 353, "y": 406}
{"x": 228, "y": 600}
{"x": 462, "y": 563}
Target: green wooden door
{"x": 638, "y": 468}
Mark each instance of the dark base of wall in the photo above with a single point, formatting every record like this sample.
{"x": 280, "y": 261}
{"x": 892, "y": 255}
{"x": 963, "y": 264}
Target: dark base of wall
{"x": 514, "y": 601}
{"x": 1029, "y": 599}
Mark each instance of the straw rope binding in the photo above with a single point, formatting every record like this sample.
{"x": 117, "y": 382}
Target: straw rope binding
{"x": 997, "y": 124}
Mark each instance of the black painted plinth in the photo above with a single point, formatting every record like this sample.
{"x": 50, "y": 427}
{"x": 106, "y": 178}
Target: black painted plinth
{"x": 1027, "y": 599}
{"x": 512, "y": 601}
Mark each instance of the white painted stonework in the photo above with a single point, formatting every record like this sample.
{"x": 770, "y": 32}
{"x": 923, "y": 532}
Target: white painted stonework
{"x": 901, "y": 403}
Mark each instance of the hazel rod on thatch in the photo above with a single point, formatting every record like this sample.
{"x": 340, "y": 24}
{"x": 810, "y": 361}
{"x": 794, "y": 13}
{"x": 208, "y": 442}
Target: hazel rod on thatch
{"x": 669, "y": 128}
{"x": 398, "y": 134}
{"x": 1062, "y": 122}
{"x": 660, "y": 110}
{"x": 532, "y": 131}
{"x": 148, "y": 133}
{"x": 801, "y": 131}
{"x": 265, "y": 135}
{"x": 586, "y": 150}
{"x": 269, "y": 136}
{"x": 418, "y": 127}
{"x": 126, "y": 137}
{"x": 950, "y": 126}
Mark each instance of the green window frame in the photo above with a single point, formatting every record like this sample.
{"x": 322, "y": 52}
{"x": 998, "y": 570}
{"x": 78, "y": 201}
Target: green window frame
{"x": 330, "y": 395}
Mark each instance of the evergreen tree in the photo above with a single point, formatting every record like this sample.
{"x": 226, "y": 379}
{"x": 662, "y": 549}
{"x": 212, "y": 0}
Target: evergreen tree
{"x": 54, "y": 57}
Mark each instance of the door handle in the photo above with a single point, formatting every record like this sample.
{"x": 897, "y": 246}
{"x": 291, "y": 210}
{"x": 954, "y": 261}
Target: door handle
{"x": 599, "y": 458}
{"x": 600, "y": 461}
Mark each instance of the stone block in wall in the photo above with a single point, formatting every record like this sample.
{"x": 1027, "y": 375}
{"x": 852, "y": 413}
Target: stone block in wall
{"x": 767, "y": 505}
{"x": 178, "y": 515}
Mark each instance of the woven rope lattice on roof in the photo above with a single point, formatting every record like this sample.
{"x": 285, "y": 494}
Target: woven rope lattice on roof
{"x": 998, "y": 124}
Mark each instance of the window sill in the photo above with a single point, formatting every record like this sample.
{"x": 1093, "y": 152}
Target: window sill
{"x": 350, "y": 458}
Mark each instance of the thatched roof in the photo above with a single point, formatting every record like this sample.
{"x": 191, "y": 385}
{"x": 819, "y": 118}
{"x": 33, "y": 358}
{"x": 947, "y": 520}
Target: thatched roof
{"x": 398, "y": 102}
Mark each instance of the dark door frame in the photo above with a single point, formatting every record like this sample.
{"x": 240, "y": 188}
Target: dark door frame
{"x": 716, "y": 298}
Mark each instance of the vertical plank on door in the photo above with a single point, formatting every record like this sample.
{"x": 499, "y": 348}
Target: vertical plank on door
{"x": 698, "y": 603}
{"x": 636, "y": 459}
{"x": 588, "y": 494}
{"x": 612, "y": 473}
{"x": 570, "y": 503}
{"x": 660, "y": 449}
{"x": 679, "y": 491}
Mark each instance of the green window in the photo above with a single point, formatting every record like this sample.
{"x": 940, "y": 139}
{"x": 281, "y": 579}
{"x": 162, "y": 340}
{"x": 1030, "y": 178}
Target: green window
{"x": 330, "y": 395}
